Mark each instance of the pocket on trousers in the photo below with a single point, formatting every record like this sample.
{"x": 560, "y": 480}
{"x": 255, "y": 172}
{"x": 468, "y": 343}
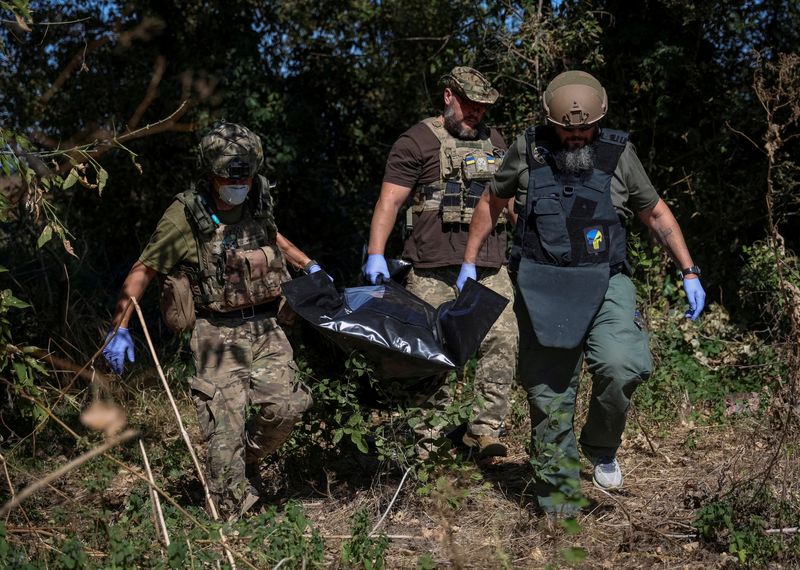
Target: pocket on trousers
{"x": 203, "y": 396}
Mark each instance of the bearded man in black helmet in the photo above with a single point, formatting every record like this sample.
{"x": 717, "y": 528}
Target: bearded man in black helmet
{"x": 221, "y": 261}
{"x": 442, "y": 166}
{"x": 574, "y": 185}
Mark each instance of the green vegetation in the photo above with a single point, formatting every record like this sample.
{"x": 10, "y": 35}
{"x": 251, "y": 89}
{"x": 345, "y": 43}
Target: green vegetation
{"x": 101, "y": 106}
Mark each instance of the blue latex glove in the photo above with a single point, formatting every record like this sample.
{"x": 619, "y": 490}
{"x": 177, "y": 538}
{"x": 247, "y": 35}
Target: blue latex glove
{"x": 121, "y": 346}
{"x": 696, "y": 296}
{"x": 376, "y": 266}
{"x": 316, "y": 267}
{"x": 467, "y": 271}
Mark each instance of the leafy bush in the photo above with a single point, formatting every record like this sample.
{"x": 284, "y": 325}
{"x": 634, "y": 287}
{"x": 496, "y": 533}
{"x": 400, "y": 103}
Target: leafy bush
{"x": 704, "y": 361}
{"x": 759, "y": 286}
{"x": 362, "y": 550}
{"x": 738, "y": 522}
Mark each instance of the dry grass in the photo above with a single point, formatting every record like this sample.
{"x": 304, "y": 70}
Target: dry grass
{"x": 647, "y": 525}
{"x": 481, "y": 515}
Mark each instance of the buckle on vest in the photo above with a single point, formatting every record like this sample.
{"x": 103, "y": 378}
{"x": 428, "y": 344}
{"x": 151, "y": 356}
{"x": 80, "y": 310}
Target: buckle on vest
{"x": 245, "y": 316}
{"x": 569, "y": 191}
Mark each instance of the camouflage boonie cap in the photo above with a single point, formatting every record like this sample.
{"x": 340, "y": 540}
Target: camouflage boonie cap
{"x": 471, "y": 84}
{"x": 231, "y": 151}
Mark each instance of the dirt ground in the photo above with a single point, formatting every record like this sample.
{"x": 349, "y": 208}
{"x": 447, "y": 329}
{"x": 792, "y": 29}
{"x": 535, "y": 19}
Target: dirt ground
{"x": 482, "y": 515}
{"x": 491, "y": 522}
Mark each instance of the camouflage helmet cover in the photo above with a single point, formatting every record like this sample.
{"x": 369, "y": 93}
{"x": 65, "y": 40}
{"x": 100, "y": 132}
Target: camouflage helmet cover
{"x": 574, "y": 98}
{"x": 471, "y": 84}
{"x": 231, "y": 151}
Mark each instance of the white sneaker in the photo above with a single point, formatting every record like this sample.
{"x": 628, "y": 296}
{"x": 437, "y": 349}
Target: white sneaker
{"x": 607, "y": 474}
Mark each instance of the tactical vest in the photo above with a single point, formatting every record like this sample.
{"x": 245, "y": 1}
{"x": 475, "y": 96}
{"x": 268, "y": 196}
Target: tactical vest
{"x": 240, "y": 264}
{"x": 466, "y": 167}
{"x": 570, "y": 239}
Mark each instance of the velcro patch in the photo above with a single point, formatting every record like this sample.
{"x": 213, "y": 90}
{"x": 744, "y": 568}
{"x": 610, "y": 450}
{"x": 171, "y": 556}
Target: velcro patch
{"x": 594, "y": 239}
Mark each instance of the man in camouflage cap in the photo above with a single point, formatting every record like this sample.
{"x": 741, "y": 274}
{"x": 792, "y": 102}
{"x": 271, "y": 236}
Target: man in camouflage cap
{"x": 221, "y": 261}
{"x": 443, "y": 165}
{"x": 575, "y": 185}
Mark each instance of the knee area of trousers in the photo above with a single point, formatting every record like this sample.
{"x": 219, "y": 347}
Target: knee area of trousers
{"x": 622, "y": 369}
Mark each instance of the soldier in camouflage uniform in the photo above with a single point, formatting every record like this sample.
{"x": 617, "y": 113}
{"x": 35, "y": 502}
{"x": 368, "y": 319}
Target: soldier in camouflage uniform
{"x": 221, "y": 261}
{"x": 442, "y": 165}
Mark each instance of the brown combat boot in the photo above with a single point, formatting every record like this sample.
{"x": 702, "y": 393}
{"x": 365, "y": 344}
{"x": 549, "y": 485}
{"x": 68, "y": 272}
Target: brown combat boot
{"x": 484, "y": 445}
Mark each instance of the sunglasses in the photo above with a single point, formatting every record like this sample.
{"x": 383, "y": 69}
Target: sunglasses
{"x": 581, "y": 128}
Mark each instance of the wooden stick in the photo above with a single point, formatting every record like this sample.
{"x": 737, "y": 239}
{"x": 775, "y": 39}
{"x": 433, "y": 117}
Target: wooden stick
{"x": 178, "y": 417}
{"x": 157, "y": 512}
{"x": 386, "y": 512}
{"x": 212, "y": 507}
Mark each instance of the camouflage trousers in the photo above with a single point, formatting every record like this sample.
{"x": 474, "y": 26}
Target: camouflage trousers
{"x": 243, "y": 367}
{"x": 497, "y": 355}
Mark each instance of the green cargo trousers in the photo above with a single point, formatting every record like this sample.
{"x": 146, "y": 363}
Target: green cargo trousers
{"x": 618, "y": 358}
{"x": 243, "y": 365}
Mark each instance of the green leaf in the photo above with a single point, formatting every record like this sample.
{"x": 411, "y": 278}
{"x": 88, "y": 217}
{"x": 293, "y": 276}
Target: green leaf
{"x": 573, "y": 555}
{"x": 337, "y": 436}
{"x": 102, "y": 178}
{"x": 71, "y": 179}
{"x": 45, "y": 236}
{"x": 21, "y": 371}
{"x": 35, "y": 364}
{"x": 11, "y": 301}
{"x": 572, "y": 526}
{"x": 358, "y": 439}
{"x": 3, "y": 269}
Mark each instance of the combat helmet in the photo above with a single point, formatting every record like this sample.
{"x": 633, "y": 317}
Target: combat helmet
{"x": 231, "y": 151}
{"x": 574, "y": 98}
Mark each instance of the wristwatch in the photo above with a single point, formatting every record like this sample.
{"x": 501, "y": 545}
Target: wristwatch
{"x": 693, "y": 270}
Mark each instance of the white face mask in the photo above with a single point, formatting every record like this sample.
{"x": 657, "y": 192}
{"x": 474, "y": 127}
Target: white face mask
{"x": 234, "y": 194}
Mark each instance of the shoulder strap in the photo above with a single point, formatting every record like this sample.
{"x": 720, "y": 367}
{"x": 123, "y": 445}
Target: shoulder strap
{"x": 538, "y": 143}
{"x": 436, "y": 126}
{"x": 197, "y": 211}
{"x": 203, "y": 227}
{"x": 610, "y": 146}
{"x": 262, "y": 205}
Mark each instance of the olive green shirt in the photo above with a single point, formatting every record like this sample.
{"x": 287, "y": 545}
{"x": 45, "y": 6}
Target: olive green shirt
{"x": 631, "y": 189}
{"x": 173, "y": 243}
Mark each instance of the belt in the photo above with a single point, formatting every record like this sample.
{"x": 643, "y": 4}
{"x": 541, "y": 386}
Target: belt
{"x": 243, "y": 314}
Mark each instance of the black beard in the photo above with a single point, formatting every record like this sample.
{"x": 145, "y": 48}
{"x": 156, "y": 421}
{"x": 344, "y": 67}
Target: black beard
{"x": 459, "y": 130}
{"x": 577, "y": 163}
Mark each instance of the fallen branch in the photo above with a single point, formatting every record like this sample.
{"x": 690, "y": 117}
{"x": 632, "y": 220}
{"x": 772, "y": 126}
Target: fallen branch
{"x": 792, "y": 530}
{"x": 212, "y": 507}
{"x": 32, "y": 488}
{"x": 158, "y": 514}
{"x": 386, "y": 512}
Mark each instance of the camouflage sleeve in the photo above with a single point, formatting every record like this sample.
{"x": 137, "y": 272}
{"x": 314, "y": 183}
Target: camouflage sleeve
{"x": 172, "y": 241}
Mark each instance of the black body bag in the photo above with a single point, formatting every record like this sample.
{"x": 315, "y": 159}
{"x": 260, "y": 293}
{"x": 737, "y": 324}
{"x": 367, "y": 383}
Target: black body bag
{"x": 402, "y": 336}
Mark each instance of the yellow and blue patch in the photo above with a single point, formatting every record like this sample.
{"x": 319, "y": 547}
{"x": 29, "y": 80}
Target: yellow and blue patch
{"x": 594, "y": 239}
